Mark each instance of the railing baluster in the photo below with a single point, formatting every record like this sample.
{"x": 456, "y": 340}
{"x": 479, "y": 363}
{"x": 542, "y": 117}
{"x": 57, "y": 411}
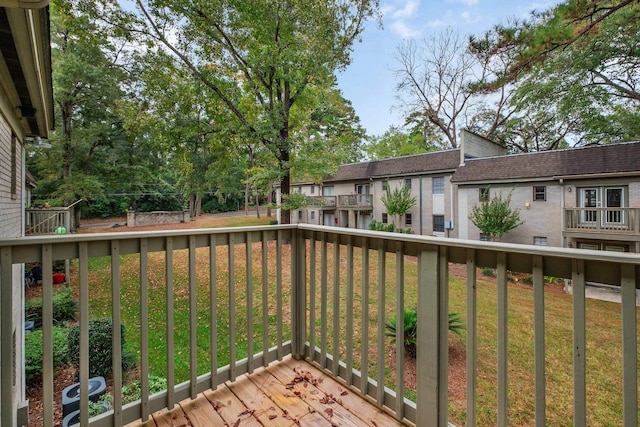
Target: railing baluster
{"x": 298, "y": 295}
{"x": 213, "y": 310}
{"x": 232, "y": 308}
{"x": 364, "y": 380}
{"x": 265, "y": 299}
{"x": 249, "y": 295}
{"x": 539, "y": 346}
{"x": 323, "y": 302}
{"x": 399, "y": 332}
{"x": 312, "y": 297}
{"x": 279, "y": 308}
{"x": 47, "y": 334}
{"x": 83, "y": 266}
{"x": 349, "y": 309}
{"x": 382, "y": 261}
{"x": 117, "y": 335}
{"x": 579, "y": 345}
{"x": 169, "y": 322}
{"x": 472, "y": 338}
{"x": 193, "y": 320}
{"x": 144, "y": 328}
{"x": 629, "y": 347}
{"x": 335, "y": 367}
{"x": 503, "y": 403}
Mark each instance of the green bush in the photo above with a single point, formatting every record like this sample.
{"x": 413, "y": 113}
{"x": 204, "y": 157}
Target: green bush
{"x": 65, "y": 307}
{"x": 273, "y": 222}
{"x": 33, "y": 351}
{"x": 488, "y": 272}
{"x": 411, "y": 329}
{"x": 100, "y": 356}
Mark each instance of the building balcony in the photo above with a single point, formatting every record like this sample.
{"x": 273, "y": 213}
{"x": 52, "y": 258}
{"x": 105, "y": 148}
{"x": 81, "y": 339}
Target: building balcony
{"x": 323, "y": 202}
{"x": 265, "y": 325}
{"x": 356, "y": 201}
{"x": 601, "y": 221}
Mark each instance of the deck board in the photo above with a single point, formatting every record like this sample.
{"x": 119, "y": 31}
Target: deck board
{"x": 286, "y": 393}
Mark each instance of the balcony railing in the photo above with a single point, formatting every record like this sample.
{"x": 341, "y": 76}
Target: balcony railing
{"x": 356, "y": 201}
{"x": 603, "y": 220}
{"x": 261, "y": 293}
{"x": 324, "y": 202}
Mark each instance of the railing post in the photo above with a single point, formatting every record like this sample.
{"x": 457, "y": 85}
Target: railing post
{"x": 298, "y": 297}
{"x": 8, "y": 415}
{"x": 430, "y": 382}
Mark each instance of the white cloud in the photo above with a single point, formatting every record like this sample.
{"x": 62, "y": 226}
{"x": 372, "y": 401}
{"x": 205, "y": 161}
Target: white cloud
{"x": 404, "y": 30}
{"x": 408, "y": 11}
{"x": 465, "y": 2}
{"x": 400, "y": 15}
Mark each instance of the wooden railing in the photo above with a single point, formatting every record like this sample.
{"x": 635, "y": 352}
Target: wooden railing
{"x": 302, "y": 290}
{"x": 603, "y": 220}
{"x": 326, "y": 202}
{"x": 356, "y": 201}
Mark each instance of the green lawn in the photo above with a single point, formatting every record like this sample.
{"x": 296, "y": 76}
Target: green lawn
{"x": 604, "y": 378}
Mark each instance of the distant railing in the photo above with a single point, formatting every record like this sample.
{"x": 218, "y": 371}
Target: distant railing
{"x": 603, "y": 220}
{"x": 302, "y": 290}
{"x": 356, "y": 201}
{"x": 327, "y": 202}
{"x": 46, "y": 221}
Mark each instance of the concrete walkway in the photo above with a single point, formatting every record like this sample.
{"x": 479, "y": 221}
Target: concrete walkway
{"x": 603, "y": 292}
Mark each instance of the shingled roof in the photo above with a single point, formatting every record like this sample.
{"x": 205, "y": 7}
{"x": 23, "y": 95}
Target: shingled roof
{"x": 438, "y": 161}
{"x": 593, "y": 160}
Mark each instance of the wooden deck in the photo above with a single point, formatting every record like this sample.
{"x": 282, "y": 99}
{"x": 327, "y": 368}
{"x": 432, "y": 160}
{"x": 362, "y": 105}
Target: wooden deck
{"x": 287, "y": 393}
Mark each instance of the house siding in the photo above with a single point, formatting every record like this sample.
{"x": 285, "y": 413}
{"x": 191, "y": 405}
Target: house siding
{"x": 10, "y": 204}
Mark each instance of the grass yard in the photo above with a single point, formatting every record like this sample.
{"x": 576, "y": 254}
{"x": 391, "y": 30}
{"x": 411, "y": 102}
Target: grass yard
{"x": 604, "y": 348}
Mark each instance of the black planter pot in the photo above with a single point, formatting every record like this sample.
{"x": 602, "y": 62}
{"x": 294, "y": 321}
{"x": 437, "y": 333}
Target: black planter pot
{"x": 71, "y": 395}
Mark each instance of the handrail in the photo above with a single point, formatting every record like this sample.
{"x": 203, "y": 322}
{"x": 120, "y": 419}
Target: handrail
{"x": 322, "y": 276}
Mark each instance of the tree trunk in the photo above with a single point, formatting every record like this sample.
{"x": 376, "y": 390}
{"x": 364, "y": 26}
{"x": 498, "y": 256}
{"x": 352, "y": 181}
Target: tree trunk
{"x": 246, "y": 199}
{"x": 269, "y": 201}
{"x": 257, "y": 206}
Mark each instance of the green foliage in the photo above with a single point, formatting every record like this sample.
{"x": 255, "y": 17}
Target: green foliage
{"x": 391, "y": 228}
{"x": 398, "y": 201}
{"x": 33, "y": 351}
{"x": 489, "y": 272}
{"x": 132, "y": 392}
{"x": 395, "y": 143}
{"x": 100, "y": 340}
{"x": 65, "y": 307}
{"x": 295, "y": 201}
{"x": 495, "y": 217}
{"x": 410, "y": 327}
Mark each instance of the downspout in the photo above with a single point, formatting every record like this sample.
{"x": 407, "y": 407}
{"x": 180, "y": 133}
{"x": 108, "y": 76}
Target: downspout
{"x": 562, "y": 215}
{"x": 452, "y": 205}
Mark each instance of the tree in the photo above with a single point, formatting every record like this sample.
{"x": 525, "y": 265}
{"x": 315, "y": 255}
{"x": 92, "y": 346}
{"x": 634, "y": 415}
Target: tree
{"x": 398, "y": 201}
{"x": 395, "y": 142}
{"x": 575, "y": 69}
{"x": 260, "y": 58}
{"x": 495, "y": 217}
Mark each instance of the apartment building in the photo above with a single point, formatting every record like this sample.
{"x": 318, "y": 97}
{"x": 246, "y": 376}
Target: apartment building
{"x": 583, "y": 197}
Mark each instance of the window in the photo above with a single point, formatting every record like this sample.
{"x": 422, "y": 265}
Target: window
{"x": 299, "y": 215}
{"x": 407, "y": 219}
{"x": 385, "y": 218}
{"x": 385, "y": 185}
{"x": 14, "y": 167}
{"x": 484, "y": 194}
{"x": 299, "y": 190}
{"x": 362, "y": 188}
{"x": 539, "y": 193}
{"x": 483, "y": 237}
{"x": 313, "y": 189}
{"x": 313, "y": 214}
{"x": 407, "y": 182}
{"x": 438, "y": 223}
{"x": 437, "y": 184}
{"x": 539, "y": 241}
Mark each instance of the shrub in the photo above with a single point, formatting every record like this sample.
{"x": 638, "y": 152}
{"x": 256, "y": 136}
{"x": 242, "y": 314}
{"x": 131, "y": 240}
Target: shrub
{"x": 65, "y": 307}
{"x": 100, "y": 356}
{"x": 33, "y": 351}
{"x": 411, "y": 329}
{"x": 488, "y": 272}
{"x": 273, "y": 222}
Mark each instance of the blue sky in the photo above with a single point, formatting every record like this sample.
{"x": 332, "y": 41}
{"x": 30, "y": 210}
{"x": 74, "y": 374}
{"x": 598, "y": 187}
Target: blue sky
{"x": 369, "y": 82}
